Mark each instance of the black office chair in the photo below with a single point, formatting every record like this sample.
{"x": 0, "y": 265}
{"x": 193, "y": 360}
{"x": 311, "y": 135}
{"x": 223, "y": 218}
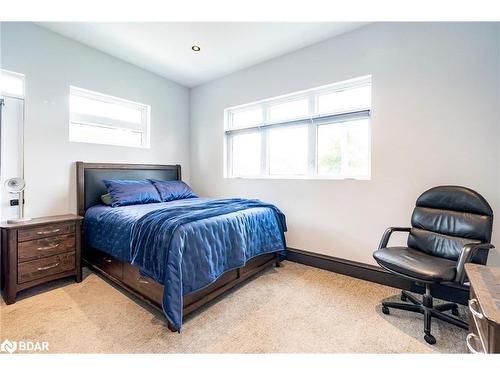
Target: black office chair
{"x": 451, "y": 226}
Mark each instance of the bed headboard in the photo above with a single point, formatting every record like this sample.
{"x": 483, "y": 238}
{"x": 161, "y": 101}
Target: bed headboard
{"x": 89, "y": 178}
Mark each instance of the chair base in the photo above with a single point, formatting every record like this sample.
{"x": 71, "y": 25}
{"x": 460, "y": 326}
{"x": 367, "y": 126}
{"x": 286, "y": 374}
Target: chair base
{"x": 426, "y": 308}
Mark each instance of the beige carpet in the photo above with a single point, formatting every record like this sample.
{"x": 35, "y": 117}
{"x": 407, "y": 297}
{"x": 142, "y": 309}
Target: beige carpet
{"x": 294, "y": 308}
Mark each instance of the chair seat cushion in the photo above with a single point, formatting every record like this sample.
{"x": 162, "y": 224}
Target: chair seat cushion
{"x": 416, "y": 264}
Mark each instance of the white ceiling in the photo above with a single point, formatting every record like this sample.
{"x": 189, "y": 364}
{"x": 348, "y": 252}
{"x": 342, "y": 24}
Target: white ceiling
{"x": 165, "y": 48}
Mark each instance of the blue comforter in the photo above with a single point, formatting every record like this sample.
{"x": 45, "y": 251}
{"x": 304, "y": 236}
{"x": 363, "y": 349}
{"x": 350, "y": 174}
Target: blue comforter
{"x": 188, "y": 244}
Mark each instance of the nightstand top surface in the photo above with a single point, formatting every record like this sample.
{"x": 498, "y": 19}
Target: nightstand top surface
{"x": 40, "y": 221}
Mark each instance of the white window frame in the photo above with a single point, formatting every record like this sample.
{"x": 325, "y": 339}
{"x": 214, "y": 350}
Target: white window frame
{"x": 313, "y": 119}
{"x": 109, "y": 123}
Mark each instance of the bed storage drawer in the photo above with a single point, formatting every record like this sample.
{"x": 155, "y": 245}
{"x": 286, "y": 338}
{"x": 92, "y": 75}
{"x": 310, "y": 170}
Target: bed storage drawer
{"x": 144, "y": 285}
{"x": 221, "y": 281}
{"x": 257, "y": 262}
{"x": 44, "y": 247}
{"x": 105, "y": 262}
{"x": 39, "y": 268}
{"x": 45, "y": 231}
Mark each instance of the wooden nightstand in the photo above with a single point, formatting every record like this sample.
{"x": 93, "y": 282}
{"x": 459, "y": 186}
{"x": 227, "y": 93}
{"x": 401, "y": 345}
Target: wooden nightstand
{"x": 39, "y": 250}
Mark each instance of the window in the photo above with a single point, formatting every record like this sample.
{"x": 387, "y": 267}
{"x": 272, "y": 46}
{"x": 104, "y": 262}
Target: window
{"x": 289, "y": 110}
{"x": 318, "y": 133}
{"x": 246, "y": 117}
{"x": 288, "y": 150}
{"x": 246, "y": 161}
{"x": 104, "y": 119}
{"x": 11, "y": 84}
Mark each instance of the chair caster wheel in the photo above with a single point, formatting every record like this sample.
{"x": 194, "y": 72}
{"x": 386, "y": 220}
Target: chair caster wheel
{"x": 403, "y": 298}
{"x": 454, "y": 312}
{"x": 385, "y": 310}
{"x": 431, "y": 340}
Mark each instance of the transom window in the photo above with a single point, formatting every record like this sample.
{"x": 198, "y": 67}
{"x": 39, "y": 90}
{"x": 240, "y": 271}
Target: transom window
{"x": 105, "y": 119}
{"x": 319, "y": 133}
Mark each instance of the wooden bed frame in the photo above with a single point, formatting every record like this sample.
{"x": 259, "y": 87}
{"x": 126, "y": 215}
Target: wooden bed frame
{"x": 89, "y": 189}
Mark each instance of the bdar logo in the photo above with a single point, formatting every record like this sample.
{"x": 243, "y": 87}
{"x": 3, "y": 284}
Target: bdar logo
{"x": 8, "y": 346}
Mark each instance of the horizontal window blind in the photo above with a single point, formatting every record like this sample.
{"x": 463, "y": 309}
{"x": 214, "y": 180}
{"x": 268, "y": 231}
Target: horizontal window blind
{"x": 317, "y": 120}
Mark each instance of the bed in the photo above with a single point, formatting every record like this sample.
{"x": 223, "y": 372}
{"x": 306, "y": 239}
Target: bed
{"x": 217, "y": 245}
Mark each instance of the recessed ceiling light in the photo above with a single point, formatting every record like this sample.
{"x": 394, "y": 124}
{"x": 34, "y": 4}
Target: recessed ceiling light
{"x": 196, "y": 48}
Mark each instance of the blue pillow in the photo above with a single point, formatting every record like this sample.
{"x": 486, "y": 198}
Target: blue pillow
{"x": 127, "y": 192}
{"x": 173, "y": 190}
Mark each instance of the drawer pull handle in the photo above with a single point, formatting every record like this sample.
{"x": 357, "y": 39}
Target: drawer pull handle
{"x": 48, "y": 267}
{"x": 142, "y": 280}
{"x": 473, "y": 310}
{"x": 107, "y": 260}
{"x": 48, "y": 247}
{"x": 48, "y": 231}
{"x": 468, "y": 341}
{"x": 476, "y": 316}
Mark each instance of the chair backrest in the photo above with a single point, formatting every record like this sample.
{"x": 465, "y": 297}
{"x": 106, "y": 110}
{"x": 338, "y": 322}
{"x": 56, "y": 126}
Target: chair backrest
{"x": 446, "y": 218}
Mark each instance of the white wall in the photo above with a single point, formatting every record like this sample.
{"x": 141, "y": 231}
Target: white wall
{"x": 435, "y": 121}
{"x": 51, "y": 64}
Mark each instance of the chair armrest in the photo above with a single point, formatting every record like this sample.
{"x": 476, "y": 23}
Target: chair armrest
{"x": 387, "y": 235}
{"x": 465, "y": 257}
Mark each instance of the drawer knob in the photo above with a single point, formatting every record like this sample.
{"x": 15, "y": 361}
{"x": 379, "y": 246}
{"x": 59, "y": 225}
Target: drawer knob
{"x": 142, "y": 280}
{"x": 53, "y": 246}
{"x": 48, "y": 231}
{"x": 107, "y": 260}
{"x": 48, "y": 267}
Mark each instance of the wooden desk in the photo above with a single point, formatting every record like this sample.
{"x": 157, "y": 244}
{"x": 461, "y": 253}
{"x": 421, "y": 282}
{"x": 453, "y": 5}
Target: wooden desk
{"x": 484, "y": 305}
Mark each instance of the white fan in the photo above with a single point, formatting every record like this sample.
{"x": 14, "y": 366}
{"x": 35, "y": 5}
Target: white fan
{"x": 16, "y": 185}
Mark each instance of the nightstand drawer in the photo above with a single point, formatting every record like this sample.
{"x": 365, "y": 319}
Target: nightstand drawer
{"x": 44, "y": 247}
{"x": 36, "y": 269}
{"x": 45, "y": 231}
